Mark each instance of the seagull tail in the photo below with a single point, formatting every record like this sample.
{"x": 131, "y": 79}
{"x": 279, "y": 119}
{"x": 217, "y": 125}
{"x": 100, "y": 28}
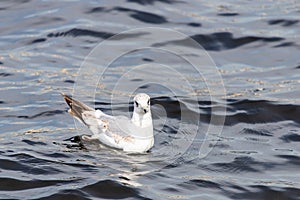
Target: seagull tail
{"x": 76, "y": 107}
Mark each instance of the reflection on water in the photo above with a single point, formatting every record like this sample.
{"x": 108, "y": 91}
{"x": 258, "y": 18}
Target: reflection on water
{"x": 255, "y": 47}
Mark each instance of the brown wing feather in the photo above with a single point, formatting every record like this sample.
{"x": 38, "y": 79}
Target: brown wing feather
{"x": 76, "y": 107}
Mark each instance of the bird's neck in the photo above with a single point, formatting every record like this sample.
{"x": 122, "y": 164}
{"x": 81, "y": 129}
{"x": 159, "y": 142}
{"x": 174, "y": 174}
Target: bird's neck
{"x": 142, "y": 120}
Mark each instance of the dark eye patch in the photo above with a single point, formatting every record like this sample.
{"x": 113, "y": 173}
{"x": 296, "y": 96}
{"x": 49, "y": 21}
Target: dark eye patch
{"x": 136, "y": 104}
{"x": 148, "y": 102}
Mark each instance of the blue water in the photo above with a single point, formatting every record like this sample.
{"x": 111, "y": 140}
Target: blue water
{"x": 225, "y": 128}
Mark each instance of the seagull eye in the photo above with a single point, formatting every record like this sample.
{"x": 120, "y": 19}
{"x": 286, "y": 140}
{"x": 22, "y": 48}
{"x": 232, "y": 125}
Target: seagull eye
{"x": 136, "y": 104}
{"x": 148, "y": 102}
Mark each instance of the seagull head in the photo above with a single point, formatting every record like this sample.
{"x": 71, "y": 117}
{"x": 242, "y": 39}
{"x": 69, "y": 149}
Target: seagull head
{"x": 141, "y": 103}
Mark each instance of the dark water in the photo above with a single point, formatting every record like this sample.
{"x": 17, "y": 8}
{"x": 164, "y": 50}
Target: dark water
{"x": 255, "y": 46}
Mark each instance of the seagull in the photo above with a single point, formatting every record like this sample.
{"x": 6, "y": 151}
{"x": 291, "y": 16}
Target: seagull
{"x": 133, "y": 135}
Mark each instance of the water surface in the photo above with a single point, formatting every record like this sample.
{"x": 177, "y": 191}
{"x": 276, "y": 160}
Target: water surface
{"x": 255, "y": 47}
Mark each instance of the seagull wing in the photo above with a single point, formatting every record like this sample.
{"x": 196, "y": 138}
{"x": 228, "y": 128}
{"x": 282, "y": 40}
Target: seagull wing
{"x": 76, "y": 107}
{"x": 108, "y": 129}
